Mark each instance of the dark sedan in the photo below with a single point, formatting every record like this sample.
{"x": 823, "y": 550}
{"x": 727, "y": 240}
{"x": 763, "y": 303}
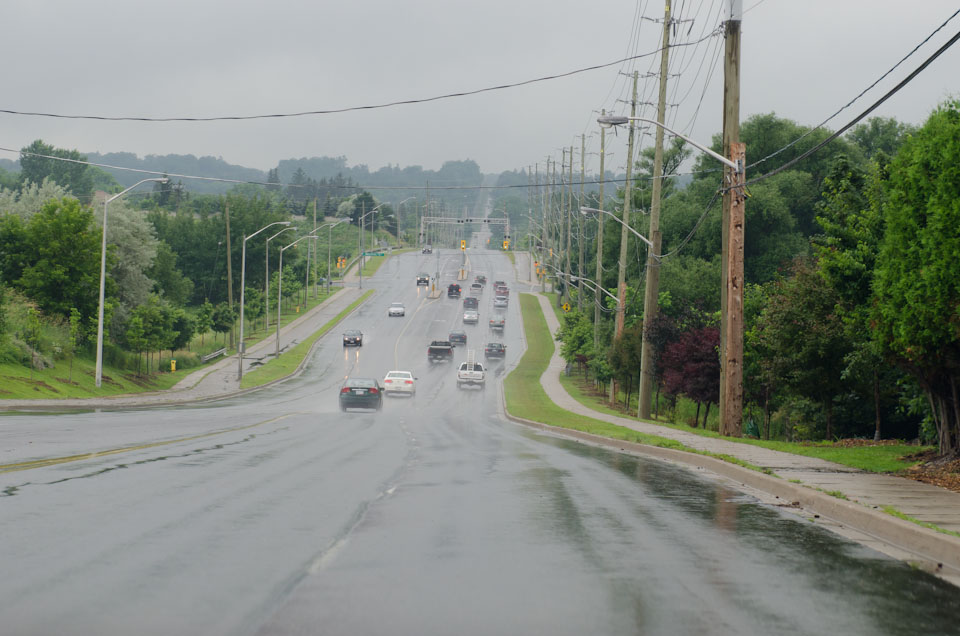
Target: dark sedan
{"x": 361, "y": 393}
{"x": 352, "y": 338}
{"x": 458, "y": 337}
{"x": 494, "y": 350}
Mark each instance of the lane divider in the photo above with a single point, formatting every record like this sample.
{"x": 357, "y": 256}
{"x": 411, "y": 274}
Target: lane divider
{"x": 53, "y": 461}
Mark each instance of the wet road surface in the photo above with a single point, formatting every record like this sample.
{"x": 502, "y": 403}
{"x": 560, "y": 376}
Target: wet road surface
{"x": 274, "y": 513}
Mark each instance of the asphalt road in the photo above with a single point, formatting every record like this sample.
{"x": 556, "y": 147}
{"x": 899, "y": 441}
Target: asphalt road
{"x": 274, "y": 513}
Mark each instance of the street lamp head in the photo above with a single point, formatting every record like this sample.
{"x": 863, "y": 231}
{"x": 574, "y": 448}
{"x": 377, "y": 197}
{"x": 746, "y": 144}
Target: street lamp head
{"x": 284, "y": 222}
{"x": 612, "y": 120}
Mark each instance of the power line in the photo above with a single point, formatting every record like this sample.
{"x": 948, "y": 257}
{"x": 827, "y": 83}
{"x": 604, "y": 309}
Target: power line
{"x": 869, "y": 110}
{"x": 346, "y": 109}
{"x": 862, "y": 93}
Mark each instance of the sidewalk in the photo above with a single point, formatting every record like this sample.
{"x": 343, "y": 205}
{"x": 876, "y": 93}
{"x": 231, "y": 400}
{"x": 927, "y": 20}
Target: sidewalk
{"x": 869, "y": 492}
{"x": 220, "y": 379}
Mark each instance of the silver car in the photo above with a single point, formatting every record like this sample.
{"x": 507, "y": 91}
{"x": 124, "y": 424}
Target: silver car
{"x": 500, "y": 301}
{"x": 396, "y": 309}
{"x": 471, "y": 317}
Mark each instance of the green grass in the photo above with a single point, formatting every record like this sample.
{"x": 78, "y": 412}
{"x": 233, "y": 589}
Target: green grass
{"x": 289, "y": 361}
{"x": 875, "y": 459}
{"x": 56, "y": 383}
{"x": 890, "y": 510}
{"x": 512, "y": 257}
{"x": 526, "y": 398}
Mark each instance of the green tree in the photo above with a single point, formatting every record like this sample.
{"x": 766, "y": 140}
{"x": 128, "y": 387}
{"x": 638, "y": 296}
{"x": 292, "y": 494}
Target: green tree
{"x": 204, "y": 319}
{"x": 63, "y": 270}
{"x": 36, "y": 165}
{"x": 135, "y": 338}
{"x": 880, "y": 135}
{"x": 917, "y": 280}
{"x": 800, "y": 329}
{"x": 224, "y": 317}
{"x": 77, "y": 336}
{"x": 169, "y": 281}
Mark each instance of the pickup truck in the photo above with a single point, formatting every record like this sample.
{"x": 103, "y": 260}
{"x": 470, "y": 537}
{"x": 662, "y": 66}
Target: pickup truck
{"x": 440, "y": 350}
{"x": 471, "y": 372}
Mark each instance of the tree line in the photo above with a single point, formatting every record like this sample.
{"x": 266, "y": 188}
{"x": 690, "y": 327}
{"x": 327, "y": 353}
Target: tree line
{"x": 853, "y": 284}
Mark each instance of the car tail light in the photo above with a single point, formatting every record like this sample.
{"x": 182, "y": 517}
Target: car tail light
{"x": 408, "y": 381}
{"x": 374, "y": 391}
{"x": 388, "y": 381}
{"x": 345, "y": 390}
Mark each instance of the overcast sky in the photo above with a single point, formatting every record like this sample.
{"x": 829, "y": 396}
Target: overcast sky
{"x": 201, "y": 58}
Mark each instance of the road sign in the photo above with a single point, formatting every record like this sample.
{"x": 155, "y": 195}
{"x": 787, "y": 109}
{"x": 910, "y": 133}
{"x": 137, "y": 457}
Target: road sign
{"x": 566, "y": 306}
{"x": 373, "y": 253}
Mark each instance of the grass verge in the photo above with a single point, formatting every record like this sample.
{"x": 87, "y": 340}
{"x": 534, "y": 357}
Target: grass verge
{"x": 526, "y": 398}
{"x": 874, "y": 459}
{"x": 890, "y": 510}
{"x": 288, "y": 362}
{"x": 16, "y": 382}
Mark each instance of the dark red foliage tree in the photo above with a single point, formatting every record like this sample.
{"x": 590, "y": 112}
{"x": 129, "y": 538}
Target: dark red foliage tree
{"x": 691, "y": 367}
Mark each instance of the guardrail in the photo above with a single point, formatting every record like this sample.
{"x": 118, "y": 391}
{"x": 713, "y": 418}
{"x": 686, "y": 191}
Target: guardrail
{"x": 214, "y": 354}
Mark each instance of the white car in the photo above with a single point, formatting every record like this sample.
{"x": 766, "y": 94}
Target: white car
{"x": 470, "y": 316}
{"x": 500, "y": 301}
{"x": 397, "y": 382}
{"x": 396, "y": 309}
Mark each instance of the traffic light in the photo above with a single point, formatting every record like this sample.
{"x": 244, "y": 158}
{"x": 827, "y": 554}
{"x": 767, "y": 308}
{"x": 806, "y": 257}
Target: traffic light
{"x": 463, "y": 244}
{"x": 506, "y": 244}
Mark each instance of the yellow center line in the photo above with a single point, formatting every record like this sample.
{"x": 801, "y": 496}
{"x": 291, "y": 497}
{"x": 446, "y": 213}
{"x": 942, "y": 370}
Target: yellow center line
{"x": 52, "y": 461}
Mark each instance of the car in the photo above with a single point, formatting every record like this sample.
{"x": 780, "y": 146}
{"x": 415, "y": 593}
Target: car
{"x": 500, "y": 302}
{"x": 480, "y": 278}
{"x": 423, "y": 279}
{"x": 400, "y": 382}
{"x": 352, "y": 338}
{"x": 476, "y": 287}
{"x": 361, "y": 393}
{"x": 471, "y": 317}
{"x": 499, "y": 283}
{"x": 498, "y": 323}
{"x": 458, "y": 338}
{"x": 427, "y": 249}
{"x": 396, "y": 309}
{"x": 471, "y": 302}
{"x": 494, "y": 350}
{"x": 453, "y": 291}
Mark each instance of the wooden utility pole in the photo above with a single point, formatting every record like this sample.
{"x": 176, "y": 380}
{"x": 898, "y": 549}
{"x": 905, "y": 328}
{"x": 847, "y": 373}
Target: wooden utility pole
{"x": 564, "y": 226}
{"x": 569, "y": 222}
{"x": 624, "y": 235}
{"x": 597, "y": 298}
{"x": 580, "y": 287}
{"x": 226, "y": 216}
{"x": 315, "y": 250}
{"x": 731, "y": 415}
{"x": 652, "y": 288}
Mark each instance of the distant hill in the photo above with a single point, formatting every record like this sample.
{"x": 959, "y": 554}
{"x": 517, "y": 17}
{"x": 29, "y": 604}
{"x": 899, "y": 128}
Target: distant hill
{"x": 178, "y": 164}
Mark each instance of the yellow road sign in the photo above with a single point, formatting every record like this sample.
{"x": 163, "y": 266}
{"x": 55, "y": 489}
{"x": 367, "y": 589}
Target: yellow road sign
{"x": 566, "y": 306}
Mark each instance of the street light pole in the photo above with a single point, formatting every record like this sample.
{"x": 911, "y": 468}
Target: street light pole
{"x": 280, "y": 284}
{"x": 267, "y": 288}
{"x": 243, "y": 272}
{"x": 103, "y": 273}
{"x": 731, "y": 382}
{"x": 329, "y": 243}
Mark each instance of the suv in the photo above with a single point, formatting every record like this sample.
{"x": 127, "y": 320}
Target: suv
{"x": 458, "y": 338}
{"x": 423, "y": 279}
{"x": 471, "y": 302}
{"x": 453, "y": 291}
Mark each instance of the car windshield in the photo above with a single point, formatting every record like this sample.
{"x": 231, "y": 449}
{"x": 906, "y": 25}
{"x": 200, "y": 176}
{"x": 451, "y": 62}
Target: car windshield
{"x": 351, "y": 333}
{"x": 397, "y": 305}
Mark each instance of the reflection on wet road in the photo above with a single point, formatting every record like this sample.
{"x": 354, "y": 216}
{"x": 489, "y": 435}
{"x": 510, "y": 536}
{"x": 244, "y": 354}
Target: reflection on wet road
{"x": 274, "y": 513}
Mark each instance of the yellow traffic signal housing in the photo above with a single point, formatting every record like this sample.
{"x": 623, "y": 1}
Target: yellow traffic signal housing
{"x": 463, "y": 244}
{"x": 506, "y": 244}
